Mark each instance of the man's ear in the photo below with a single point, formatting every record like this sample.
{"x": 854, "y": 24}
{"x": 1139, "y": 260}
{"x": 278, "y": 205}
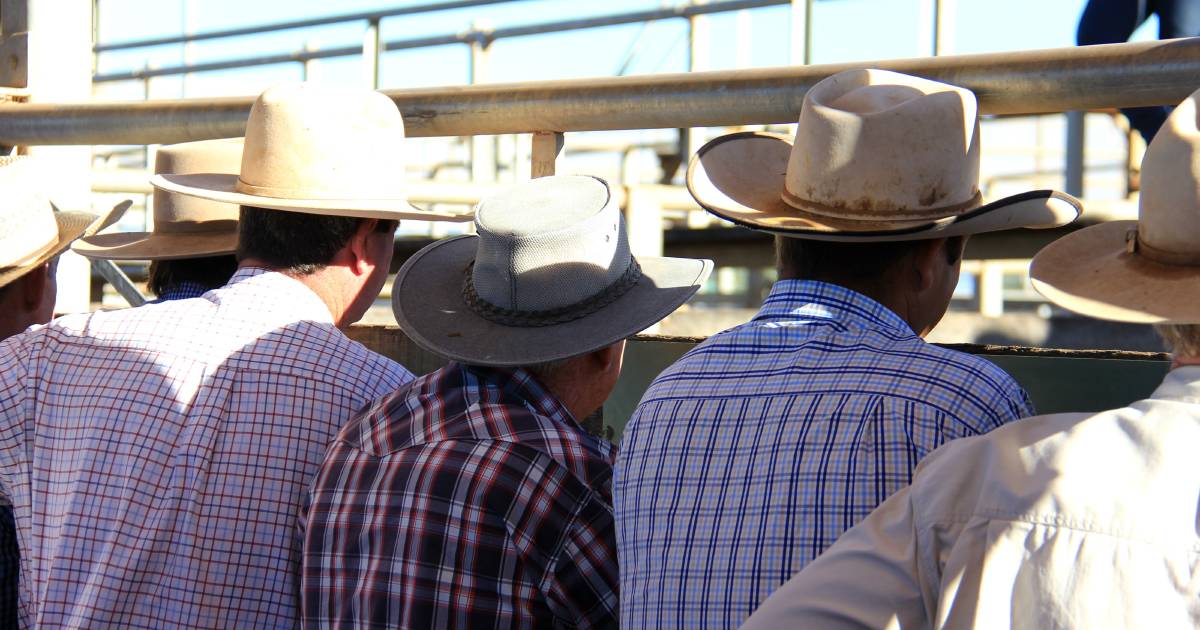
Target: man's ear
{"x": 360, "y": 245}
{"x": 928, "y": 260}
{"x": 607, "y": 357}
{"x": 33, "y": 287}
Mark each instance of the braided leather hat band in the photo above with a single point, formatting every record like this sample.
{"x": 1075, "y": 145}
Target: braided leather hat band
{"x": 549, "y": 317}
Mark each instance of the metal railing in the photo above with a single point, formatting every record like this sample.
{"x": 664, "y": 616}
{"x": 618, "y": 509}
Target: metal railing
{"x": 1081, "y": 78}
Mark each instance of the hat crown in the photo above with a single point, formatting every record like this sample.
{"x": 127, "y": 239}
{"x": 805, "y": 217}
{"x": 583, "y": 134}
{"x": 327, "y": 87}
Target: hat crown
{"x": 310, "y": 142}
{"x": 879, "y": 145}
{"x": 1169, "y": 205}
{"x": 176, "y": 213}
{"x": 549, "y": 243}
{"x": 27, "y": 224}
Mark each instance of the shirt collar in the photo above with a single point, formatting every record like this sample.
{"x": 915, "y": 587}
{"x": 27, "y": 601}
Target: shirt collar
{"x": 278, "y": 294}
{"x": 183, "y": 291}
{"x": 520, "y": 386}
{"x": 1182, "y": 384}
{"x": 791, "y": 300}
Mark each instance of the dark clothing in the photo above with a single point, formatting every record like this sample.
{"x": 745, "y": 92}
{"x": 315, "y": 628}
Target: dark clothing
{"x": 469, "y": 498}
{"x": 10, "y": 568}
{"x": 1114, "y": 21}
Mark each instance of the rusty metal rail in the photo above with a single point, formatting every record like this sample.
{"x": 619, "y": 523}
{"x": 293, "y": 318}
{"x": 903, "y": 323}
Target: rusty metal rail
{"x": 1038, "y": 81}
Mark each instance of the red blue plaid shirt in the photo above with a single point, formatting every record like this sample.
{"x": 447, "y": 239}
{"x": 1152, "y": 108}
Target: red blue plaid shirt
{"x": 469, "y": 498}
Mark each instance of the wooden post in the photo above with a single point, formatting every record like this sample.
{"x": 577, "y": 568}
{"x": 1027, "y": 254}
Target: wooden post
{"x": 546, "y": 147}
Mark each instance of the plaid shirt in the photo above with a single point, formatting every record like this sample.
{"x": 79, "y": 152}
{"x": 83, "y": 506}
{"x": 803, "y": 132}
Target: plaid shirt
{"x": 756, "y": 450}
{"x": 181, "y": 291}
{"x": 470, "y": 498}
{"x": 157, "y": 457}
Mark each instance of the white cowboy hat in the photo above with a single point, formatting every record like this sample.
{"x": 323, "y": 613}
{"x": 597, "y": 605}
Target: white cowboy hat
{"x": 549, "y": 276}
{"x": 184, "y": 227}
{"x": 1145, "y": 271}
{"x": 317, "y": 150}
{"x": 877, "y": 156}
{"x": 32, "y": 230}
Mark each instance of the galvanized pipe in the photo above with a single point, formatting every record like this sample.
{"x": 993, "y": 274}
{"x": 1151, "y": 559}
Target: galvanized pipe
{"x": 1037, "y": 81}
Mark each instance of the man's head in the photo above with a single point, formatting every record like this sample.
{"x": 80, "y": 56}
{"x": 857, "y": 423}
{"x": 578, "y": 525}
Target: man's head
{"x": 29, "y": 299}
{"x": 916, "y": 279}
{"x": 347, "y": 258}
{"x": 1183, "y": 341}
{"x": 548, "y": 283}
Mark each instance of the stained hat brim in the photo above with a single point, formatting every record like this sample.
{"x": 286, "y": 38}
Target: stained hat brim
{"x": 429, "y": 306}
{"x": 156, "y": 245}
{"x": 223, "y": 187}
{"x": 1090, "y": 272}
{"x": 71, "y": 225}
{"x": 740, "y": 177}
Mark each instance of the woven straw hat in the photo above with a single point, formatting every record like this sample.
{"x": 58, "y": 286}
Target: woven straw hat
{"x": 317, "y": 150}
{"x": 32, "y": 230}
{"x": 549, "y": 276}
{"x": 877, "y": 156}
{"x": 184, "y": 227}
{"x": 1148, "y": 270}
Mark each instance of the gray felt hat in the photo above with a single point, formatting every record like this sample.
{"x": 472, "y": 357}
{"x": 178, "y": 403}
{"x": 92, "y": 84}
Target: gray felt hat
{"x": 549, "y": 276}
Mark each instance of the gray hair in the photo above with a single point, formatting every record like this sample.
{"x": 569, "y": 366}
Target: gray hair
{"x": 1181, "y": 339}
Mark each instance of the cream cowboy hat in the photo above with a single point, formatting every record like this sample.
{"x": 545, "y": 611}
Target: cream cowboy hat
{"x": 548, "y": 276}
{"x": 317, "y": 150}
{"x": 32, "y": 230}
{"x": 878, "y": 156}
{"x": 184, "y": 227}
{"x": 1145, "y": 271}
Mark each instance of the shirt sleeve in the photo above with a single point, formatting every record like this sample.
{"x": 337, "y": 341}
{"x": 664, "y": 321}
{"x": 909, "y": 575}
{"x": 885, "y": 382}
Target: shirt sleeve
{"x": 870, "y": 578}
{"x": 583, "y": 585}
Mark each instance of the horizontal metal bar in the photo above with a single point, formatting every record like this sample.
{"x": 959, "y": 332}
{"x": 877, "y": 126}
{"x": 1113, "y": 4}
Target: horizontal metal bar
{"x": 466, "y": 37}
{"x": 1027, "y": 82}
{"x": 281, "y": 26}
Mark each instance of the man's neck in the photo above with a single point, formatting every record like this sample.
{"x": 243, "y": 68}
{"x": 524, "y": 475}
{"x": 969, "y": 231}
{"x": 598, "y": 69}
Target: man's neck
{"x": 319, "y": 282}
{"x": 882, "y": 292}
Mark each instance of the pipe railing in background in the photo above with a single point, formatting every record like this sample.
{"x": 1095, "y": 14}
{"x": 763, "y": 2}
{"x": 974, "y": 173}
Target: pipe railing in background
{"x": 1038, "y": 81}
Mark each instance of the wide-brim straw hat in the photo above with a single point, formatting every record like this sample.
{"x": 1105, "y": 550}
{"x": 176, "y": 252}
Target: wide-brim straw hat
{"x": 878, "y": 156}
{"x": 317, "y": 150}
{"x": 1144, "y": 271}
{"x": 32, "y": 230}
{"x": 184, "y": 226}
{"x": 549, "y": 276}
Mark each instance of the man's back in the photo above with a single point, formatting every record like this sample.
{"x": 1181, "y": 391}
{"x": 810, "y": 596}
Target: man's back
{"x": 750, "y": 455}
{"x": 157, "y": 456}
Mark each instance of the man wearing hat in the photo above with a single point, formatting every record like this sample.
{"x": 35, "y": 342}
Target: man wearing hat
{"x": 752, "y": 453}
{"x": 157, "y": 457}
{"x": 1063, "y": 521}
{"x": 32, "y": 235}
{"x": 473, "y": 497}
{"x": 191, "y": 249}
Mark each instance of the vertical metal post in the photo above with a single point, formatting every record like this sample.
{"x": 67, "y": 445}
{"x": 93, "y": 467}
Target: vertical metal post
{"x": 188, "y": 56}
{"x": 544, "y": 153}
{"x": 801, "y": 32}
{"x": 943, "y": 27}
{"x": 483, "y": 148}
{"x": 371, "y": 54}
{"x": 743, "y": 39}
{"x": 644, "y": 223}
{"x": 1076, "y": 142}
{"x": 308, "y": 66}
{"x": 690, "y": 140}
{"x": 60, "y": 70}
{"x": 991, "y": 289}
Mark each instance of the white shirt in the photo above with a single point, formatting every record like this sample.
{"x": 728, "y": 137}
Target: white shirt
{"x": 1064, "y": 521}
{"x": 157, "y": 457}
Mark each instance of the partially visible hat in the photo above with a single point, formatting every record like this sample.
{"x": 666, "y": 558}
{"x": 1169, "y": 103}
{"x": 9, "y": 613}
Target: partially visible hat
{"x": 878, "y": 156}
{"x": 318, "y": 150}
{"x": 32, "y": 230}
{"x": 548, "y": 276}
{"x": 1145, "y": 271}
{"x": 184, "y": 227}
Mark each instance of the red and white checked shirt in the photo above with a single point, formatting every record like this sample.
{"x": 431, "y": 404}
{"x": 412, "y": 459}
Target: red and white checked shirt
{"x": 157, "y": 457}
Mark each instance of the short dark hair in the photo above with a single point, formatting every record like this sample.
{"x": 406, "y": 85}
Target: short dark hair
{"x": 209, "y": 272}
{"x": 808, "y": 259}
{"x": 296, "y": 242}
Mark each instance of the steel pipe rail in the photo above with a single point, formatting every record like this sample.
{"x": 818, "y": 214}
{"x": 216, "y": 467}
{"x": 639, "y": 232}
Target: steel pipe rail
{"x": 283, "y": 26}
{"x": 1028, "y": 82}
{"x": 466, "y": 37}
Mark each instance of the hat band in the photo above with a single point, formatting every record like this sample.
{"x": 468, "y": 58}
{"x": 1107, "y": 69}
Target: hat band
{"x": 323, "y": 195}
{"x": 550, "y": 317}
{"x": 833, "y": 212}
{"x": 1135, "y": 245}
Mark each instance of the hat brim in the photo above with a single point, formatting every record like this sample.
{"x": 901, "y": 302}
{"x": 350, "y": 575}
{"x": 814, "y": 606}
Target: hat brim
{"x": 156, "y": 245}
{"x": 223, "y": 187}
{"x": 1090, "y": 272}
{"x": 71, "y": 225}
{"x": 428, "y": 303}
{"x": 740, "y": 177}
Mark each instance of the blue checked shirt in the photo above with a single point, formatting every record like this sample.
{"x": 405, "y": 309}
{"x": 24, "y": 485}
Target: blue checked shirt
{"x": 756, "y": 450}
